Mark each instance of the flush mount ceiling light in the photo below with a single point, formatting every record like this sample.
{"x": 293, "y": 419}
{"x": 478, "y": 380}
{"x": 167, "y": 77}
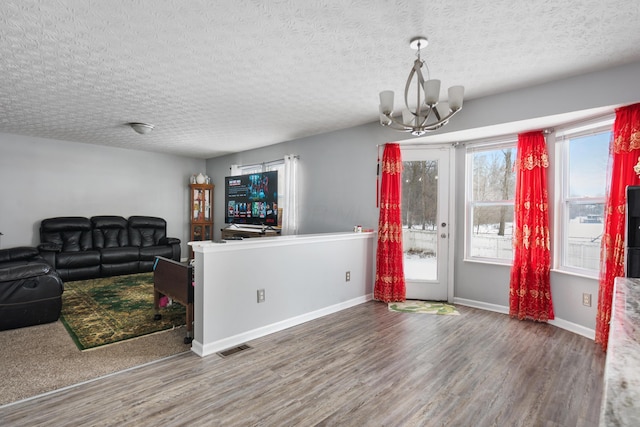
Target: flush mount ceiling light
{"x": 142, "y": 128}
{"x": 428, "y": 115}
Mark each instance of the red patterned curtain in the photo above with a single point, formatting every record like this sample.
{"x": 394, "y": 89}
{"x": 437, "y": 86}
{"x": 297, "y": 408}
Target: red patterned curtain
{"x": 530, "y": 288}
{"x": 390, "y": 285}
{"x": 624, "y": 151}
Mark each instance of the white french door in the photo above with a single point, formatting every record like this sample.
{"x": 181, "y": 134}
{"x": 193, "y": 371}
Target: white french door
{"x": 425, "y": 221}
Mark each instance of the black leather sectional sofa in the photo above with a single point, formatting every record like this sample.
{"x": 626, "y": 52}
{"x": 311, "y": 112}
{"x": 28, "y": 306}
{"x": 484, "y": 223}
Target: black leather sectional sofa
{"x": 82, "y": 248}
{"x": 30, "y": 289}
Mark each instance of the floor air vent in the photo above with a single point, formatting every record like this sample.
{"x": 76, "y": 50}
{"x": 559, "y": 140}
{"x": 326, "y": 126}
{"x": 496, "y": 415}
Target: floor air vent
{"x": 233, "y": 350}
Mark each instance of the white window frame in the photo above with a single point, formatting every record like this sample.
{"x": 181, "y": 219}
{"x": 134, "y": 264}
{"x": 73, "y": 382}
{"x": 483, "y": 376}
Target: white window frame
{"x": 471, "y": 148}
{"x": 563, "y": 136}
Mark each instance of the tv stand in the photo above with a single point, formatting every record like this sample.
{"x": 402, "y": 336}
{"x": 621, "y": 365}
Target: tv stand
{"x": 248, "y": 231}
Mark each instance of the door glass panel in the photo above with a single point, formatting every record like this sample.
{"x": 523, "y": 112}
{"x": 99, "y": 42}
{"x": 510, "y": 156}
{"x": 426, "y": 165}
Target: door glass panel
{"x": 419, "y": 219}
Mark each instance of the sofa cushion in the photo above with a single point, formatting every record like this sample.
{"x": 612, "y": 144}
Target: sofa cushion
{"x": 119, "y": 255}
{"x": 107, "y": 270}
{"x": 77, "y": 259}
{"x": 150, "y": 253}
{"x": 146, "y": 231}
{"x": 109, "y": 231}
{"x": 79, "y": 273}
{"x": 71, "y": 233}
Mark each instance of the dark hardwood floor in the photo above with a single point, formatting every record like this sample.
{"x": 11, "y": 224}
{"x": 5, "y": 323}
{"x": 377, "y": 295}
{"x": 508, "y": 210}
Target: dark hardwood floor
{"x": 364, "y": 366}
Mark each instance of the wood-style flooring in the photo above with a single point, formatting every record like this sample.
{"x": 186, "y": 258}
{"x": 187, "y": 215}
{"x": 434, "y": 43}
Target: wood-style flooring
{"x": 364, "y": 366}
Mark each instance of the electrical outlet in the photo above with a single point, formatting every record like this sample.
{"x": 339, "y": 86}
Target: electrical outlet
{"x": 260, "y": 295}
{"x": 347, "y": 276}
{"x": 586, "y": 299}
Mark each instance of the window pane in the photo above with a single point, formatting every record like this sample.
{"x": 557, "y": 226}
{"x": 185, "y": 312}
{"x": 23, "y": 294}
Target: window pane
{"x": 419, "y": 194}
{"x": 584, "y": 232}
{"x": 493, "y": 175}
{"x": 492, "y": 232}
{"x": 419, "y": 210}
{"x": 588, "y": 157}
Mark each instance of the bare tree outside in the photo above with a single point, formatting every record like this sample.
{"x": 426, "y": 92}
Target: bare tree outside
{"x": 507, "y": 185}
{"x": 419, "y": 211}
{"x": 493, "y": 192}
{"x": 419, "y": 194}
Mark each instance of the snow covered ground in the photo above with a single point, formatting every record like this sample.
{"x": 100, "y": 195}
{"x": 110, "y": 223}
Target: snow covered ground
{"x": 420, "y": 268}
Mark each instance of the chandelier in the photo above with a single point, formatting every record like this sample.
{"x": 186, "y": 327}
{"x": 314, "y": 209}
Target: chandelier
{"x": 428, "y": 115}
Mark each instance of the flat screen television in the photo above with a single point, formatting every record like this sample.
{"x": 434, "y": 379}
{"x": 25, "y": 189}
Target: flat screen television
{"x": 252, "y": 199}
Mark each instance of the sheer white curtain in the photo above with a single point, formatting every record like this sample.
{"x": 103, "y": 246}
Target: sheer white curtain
{"x": 290, "y": 208}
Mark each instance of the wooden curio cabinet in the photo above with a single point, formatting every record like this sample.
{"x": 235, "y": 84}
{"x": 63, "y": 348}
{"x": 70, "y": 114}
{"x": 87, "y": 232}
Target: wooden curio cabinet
{"x": 201, "y": 213}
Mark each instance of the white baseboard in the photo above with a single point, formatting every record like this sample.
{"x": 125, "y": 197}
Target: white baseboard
{"x": 481, "y": 305}
{"x": 574, "y": 327}
{"x": 560, "y": 323}
{"x": 242, "y": 338}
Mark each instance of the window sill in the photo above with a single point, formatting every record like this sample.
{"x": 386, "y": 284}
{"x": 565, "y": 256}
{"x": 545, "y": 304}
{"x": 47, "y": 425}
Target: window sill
{"x": 576, "y": 274}
{"x": 488, "y": 261}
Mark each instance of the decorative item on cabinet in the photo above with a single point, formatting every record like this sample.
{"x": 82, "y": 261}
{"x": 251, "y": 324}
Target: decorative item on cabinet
{"x": 201, "y": 213}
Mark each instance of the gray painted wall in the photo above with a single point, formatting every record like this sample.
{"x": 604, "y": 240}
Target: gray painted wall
{"x": 44, "y": 178}
{"x": 338, "y": 177}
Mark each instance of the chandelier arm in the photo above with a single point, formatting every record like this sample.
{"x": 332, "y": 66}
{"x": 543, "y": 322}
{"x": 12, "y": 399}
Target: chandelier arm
{"x": 396, "y": 124}
{"x": 435, "y": 111}
{"x": 443, "y": 121}
{"x": 426, "y": 117}
{"x": 423, "y": 128}
{"x": 415, "y": 70}
{"x": 406, "y": 90}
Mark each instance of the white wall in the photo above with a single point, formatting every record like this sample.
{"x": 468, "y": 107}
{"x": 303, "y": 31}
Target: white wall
{"x": 303, "y": 278}
{"x": 43, "y": 178}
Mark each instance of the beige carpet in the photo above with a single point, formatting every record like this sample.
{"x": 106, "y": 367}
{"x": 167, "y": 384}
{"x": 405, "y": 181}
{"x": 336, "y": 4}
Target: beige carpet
{"x": 43, "y": 358}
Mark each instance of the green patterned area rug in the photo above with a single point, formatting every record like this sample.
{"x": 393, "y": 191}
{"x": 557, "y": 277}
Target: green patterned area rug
{"x": 103, "y": 311}
{"x": 429, "y": 307}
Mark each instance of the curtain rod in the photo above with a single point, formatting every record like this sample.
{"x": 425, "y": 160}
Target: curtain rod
{"x": 295, "y": 156}
{"x": 421, "y": 145}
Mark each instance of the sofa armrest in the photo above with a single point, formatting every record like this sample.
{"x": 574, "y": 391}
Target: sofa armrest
{"x": 22, "y": 253}
{"x": 49, "y": 247}
{"x": 48, "y": 251}
{"x": 25, "y": 271}
{"x": 169, "y": 241}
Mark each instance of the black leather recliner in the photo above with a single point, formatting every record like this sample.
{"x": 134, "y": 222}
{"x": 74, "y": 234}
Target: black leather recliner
{"x": 81, "y": 248}
{"x": 150, "y": 235}
{"x": 111, "y": 238}
{"x": 30, "y": 289}
{"x": 67, "y": 244}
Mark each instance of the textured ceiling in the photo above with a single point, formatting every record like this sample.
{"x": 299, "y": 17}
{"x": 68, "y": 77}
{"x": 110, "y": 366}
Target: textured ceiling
{"x": 225, "y": 76}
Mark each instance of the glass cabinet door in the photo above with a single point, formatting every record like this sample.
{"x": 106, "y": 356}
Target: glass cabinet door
{"x": 201, "y": 204}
